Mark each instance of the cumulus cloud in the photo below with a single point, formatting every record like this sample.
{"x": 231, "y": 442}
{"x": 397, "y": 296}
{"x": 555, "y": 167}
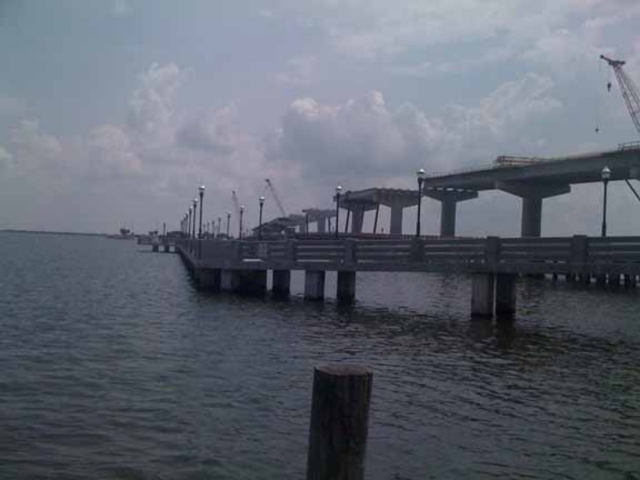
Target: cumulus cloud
{"x": 151, "y": 106}
{"x": 214, "y": 131}
{"x": 366, "y": 138}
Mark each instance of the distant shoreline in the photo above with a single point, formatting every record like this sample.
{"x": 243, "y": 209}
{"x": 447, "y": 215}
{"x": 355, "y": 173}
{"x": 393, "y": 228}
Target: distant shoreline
{"x": 44, "y": 232}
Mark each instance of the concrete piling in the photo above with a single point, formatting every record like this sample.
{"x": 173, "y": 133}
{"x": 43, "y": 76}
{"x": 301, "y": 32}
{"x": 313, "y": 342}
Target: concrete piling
{"x": 252, "y": 282}
{"x": 505, "y": 294}
{"x": 482, "y": 294}
{"x": 314, "y": 284}
{"x": 346, "y": 286}
{"x": 208, "y": 279}
{"x": 229, "y": 280}
{"x": 281, "y": 283}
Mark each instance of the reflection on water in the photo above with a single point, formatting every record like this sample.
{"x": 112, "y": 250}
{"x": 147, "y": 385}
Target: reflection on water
{"x": 114, "y": 366}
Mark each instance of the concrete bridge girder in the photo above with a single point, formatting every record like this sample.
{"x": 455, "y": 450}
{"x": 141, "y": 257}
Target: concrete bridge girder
{"x": 532, "y": 196}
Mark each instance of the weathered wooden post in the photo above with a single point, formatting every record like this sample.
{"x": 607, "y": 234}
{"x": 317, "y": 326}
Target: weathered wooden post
{"x": 339, "y": 422}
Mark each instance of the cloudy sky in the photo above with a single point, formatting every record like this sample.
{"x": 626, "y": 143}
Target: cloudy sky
{"x": 113, "y": 112}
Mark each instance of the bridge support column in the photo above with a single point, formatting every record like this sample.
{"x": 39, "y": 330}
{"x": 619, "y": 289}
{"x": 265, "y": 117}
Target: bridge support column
{"x": 531, "y": 223}
{"x": 281, "y": 283}
{"x": 482, "y": 294}
{"x": 314, "y": 284}
{"x": 532, "y": 196}
{"x": 505, "y": 294}
{"x": 448, "y": 218}
{"x": 448, "y": 205}
{"x": 322, "y": 225}
{"x": 155, "y": 247}
{"x": 358, "y": 218}
{"x": 252, "y": 282}
{"x": 167, "y": 248}
{"x": 395, "y": 227}
{"x": 229, "y": 280}
{"x": 208, "y": 279}
{"x": 346, "y": 286}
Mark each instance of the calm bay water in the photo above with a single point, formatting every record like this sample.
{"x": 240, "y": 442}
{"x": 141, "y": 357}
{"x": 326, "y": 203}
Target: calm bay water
{"x": 113, "y": 366}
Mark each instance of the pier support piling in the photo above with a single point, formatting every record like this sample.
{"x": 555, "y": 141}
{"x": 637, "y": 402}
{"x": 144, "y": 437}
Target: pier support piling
{"x": 314, "y": 284}
{"x": 339, "y": 422}
{"x": 482, "y": 294}
{"x": 229, "y": 281}
{"x": 506, "y": 294}
{"x": 346, "y": 286}
{"x": 281, "y": 283}
{"x": 208, "y": 279}
{"x": 252, "y": 282}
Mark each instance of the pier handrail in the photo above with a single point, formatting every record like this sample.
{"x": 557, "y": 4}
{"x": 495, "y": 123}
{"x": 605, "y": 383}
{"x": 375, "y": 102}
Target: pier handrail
{"x": 577, "y": 254}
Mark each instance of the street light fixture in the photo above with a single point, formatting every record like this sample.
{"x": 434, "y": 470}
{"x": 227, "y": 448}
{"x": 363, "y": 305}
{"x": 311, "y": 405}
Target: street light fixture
{"x": 201, "y": 189}
{"x": 240, "y": 223}
{"x": 420, "y": 174}
{"x": 606, "y": 175}
{"x": 195, "y": 216}
{"x": 189, "y": 222}
{"x": 260, "y": 221}
{"x": 338, "y": 192}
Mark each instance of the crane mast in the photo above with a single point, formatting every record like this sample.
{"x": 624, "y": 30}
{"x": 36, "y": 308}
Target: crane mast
{"x": 628, "y": 89}
{"x": 236, "y": 204}
{"x": 272, "y": 189}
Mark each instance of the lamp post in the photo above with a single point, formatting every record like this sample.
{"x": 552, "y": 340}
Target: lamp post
{"x": 420, "y": 174}
{"x": 201, "y": 189}
{"x": 195, "y": 216}
{"x": 338, "y": 192}
{"x": 228, "y": 222}
{"x": 240, "y": 222}
{"x": 219, "y": 226}
{"x": 260, "y": 221}
{"x": 606, "y": 175}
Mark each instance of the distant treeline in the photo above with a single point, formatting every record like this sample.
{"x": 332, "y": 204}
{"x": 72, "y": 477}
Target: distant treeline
{"x": 41, "y": 232}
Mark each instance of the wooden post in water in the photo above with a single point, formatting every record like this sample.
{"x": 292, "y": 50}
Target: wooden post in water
{"x": 339, "y": 422}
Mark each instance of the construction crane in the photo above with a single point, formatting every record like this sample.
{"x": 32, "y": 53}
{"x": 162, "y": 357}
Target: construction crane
{"x": 269, "y": 186}
{"x": 628, "y": 89}
{"x": 236, "y": 204}
{"x": 631, "y": 97}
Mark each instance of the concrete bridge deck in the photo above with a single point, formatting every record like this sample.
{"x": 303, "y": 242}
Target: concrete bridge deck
{"x": 531, "y": 179}
{"x": 493, "y": 262}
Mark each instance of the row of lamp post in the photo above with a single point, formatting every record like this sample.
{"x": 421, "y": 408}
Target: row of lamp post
{"x": 191, "y": 217}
